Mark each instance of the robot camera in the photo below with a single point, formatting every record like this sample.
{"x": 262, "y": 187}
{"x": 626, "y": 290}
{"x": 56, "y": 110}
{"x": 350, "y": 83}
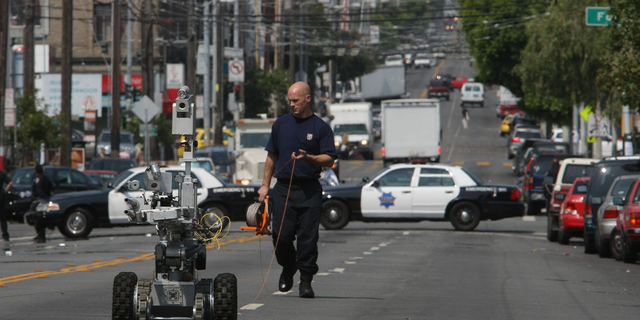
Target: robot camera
{"x": 184, "y": 114}
{"x": 133, "y": 185}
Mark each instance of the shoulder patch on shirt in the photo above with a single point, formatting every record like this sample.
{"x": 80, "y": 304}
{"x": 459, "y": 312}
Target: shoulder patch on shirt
{"x": 309, "y": 136}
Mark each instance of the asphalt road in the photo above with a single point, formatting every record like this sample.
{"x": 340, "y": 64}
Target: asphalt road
{"x": 504, "y": 270}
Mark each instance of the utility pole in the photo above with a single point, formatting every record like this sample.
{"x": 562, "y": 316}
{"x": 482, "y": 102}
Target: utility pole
{"x": 292, "y": 53}
{"x": 218, "y": 83}
{"x": 28, "y": 87}
{"x": 207, "y": 74}
{"x": 191, "y": 47}
{"x": 146, "y": 48}
{"x": 4, "y": 31}
{"x": 236, "y": 44}
{"x": 257, "y": 36}
{"x": 65, "y": 110}
{"x": 128, "y": 79}
{"x": 215, "y": 67}
{"x": 115, "y": 79}
{"x": 276, "y": 53}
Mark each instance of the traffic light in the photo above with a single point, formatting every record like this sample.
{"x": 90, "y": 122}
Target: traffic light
{"x": 132, "y": 92}
{"x": 236, "y": 91}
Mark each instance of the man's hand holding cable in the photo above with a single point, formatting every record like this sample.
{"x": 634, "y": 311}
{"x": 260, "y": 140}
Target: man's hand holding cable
{"x": 321, "y": 160}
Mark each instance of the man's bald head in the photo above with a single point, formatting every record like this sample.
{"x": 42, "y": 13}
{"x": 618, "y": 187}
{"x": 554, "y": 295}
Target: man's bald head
{"x": 300, "y": 99}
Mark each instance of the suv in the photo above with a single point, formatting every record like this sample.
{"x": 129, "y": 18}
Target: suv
{"x": 533, "y": 181}
{"x": 605, "y": 172}
{"x": 64, "y": 179}
{"x": 570, "y": 170}
{"x": 126, "y": 143}
{"x": 437, "y": 89}
{"x": 518, "y": 137}
{"x": 220, "y": 156}
{"x": 472, "y": 93}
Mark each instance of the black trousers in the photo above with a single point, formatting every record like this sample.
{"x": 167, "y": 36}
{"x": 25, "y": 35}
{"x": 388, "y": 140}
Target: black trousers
{"x": 3, "y": 219}
{"x": 301, "y": 222}
{"x": 40, "y": 229}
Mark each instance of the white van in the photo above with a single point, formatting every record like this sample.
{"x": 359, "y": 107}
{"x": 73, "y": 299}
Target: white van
{"x": 472, "y": 93}
{"x": 394, "y": 60}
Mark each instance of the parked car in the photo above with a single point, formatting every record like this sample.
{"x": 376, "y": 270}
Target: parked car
{"x": 112, "y": 164}
{"x": 204, "y": 163}
{"x": 521, "y": 152}
{"x": 533, "y": 182}
{"x": 101, "y": 176}
{"x": 538, "y": 148}
{"x": 606, "y": 244}
{"x": 570, "y": 222}
{"x": 505, "y": 125}
{"x": 64, "y": 179}
{"x": 518, "y": 137}
{"x": 221, "y": 160}
{"x": 520, "y": 120}
{"x": 628, "y": 225}
{"x": 126, "y": 143}
{"x": 76, "y": 214}
{"x": 605, "y": 172}
{"x": 570, "y": 170}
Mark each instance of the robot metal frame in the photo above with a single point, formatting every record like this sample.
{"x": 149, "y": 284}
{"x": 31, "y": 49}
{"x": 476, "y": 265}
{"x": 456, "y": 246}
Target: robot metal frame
{"x": 174, "y": 291}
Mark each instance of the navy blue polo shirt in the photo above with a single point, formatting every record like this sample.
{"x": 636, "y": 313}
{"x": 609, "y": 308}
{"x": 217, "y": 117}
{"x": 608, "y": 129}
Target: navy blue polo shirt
{"x": 290, "y": 134}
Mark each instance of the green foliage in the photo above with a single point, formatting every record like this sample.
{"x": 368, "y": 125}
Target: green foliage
{"x": 36, "y": 127}
{"x": 622, "y": 73}
{"x": 258, "y": 87}
{"x": 164, "y": 123}
{"x": 496, "y": 41}
{"x": 560, "y": 63}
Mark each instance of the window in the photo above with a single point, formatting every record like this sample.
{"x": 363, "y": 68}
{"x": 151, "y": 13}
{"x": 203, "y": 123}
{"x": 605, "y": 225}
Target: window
{"x": 397, "y": 178}
{"x": 573, "y": 171}
{"x": 435, "y": 182}
{"x": 254, "y": 140}
{"x": 433, "y": 171}
{"x": 78, "y": 178}
{"x": 62, "y": 177}
{"x": 102, "y": 22}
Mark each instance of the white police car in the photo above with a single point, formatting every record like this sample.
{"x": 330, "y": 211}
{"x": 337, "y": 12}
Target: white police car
{"x": 77, "y": 213}
{"x": 407, "y": 192}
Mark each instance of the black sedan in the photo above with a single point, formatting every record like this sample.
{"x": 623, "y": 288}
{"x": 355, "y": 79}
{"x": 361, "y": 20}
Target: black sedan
{"x": 405, "y": 193}
{"x": 64, "y": 179}
{"x": 76, "y": 214}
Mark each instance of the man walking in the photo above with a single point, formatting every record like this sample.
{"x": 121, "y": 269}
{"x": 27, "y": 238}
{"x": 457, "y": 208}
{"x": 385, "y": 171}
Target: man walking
{"x": 305, "y": 141}
{"x": 40, "y": 189}
{"x": 3, "y": 218}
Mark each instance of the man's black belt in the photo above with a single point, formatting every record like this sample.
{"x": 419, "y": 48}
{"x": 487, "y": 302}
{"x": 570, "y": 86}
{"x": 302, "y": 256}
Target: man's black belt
{"x": 295, "y": 181}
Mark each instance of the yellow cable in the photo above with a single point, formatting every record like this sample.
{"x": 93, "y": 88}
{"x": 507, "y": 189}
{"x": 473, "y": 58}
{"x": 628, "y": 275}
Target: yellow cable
{"x": 216, "y": 235}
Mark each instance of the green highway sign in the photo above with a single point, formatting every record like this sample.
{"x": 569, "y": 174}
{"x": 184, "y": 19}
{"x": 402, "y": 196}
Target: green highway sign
{"x": 597, "y": 16}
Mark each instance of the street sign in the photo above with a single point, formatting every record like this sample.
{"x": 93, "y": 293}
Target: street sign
{"x": 153, "y": 130}
{"x": 597, "y": 16}
{"x": 9, "y": 99}
{"x": 236, "y": 70}
{"x": 585, "y": 113}
{"x": 146, "y": 109}
{"x": 232, "y": 53}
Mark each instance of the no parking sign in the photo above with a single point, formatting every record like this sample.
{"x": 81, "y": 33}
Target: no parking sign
{"x": 236, "y": 71}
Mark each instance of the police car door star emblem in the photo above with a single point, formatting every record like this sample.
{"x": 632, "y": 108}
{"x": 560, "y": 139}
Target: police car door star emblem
{"x": 387, "y": 199}
{"x": 309, "y": 136}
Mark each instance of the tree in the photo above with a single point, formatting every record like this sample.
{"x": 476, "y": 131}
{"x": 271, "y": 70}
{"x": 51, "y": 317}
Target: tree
{"x": 560, "y": 63}
{"x": 259, "y": 85}
{"x": 494, "y": 30}
{"x": 35, "y": 127}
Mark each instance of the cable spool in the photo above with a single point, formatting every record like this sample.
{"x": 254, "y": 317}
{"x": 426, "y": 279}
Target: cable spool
{"x": 259, "y": 217}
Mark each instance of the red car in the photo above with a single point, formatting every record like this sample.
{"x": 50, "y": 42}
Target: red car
{"x": 628, "y": 225}
{"x": 458, "y": 81}
{"x": 570, "y": 219}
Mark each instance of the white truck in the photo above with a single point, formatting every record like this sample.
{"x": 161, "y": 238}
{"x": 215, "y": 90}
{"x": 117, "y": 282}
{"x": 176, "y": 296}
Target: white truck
{"x": 410, "y": 131}
{"x": 356, "y": 121}
{"x": 387, "y": 82}
{"x": 251, "y": 138}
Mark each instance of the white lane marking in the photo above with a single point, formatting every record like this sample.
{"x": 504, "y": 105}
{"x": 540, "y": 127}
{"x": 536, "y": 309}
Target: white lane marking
{"x": 279, "y": 293}
{"x": 355, "y": 258}
{"x": 374, "y": 248}
{"x": 457, "y": 131}
{"x": 367, "y": 252}
{"x": 383, "y": 244}
{"x": 406, "y": 233}
{"x": 337, "y": 270}
{"x": 453, "y": 146}
{"x": 348, "y": 262}
{"x": 322, "y": 274}
{"x": 528, "y": 218}
{"x": 252, "y": 306}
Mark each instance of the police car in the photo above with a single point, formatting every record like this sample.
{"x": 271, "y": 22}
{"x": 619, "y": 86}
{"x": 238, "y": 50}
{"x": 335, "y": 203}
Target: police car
{"x": 407, "y": 192}
{"x": 76, "y": 214}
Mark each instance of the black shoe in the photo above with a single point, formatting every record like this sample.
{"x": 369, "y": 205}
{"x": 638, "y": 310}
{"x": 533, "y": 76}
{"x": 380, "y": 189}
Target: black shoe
{"x": 286, "y": 280}
{"x": 39, "y": 240}
{"x": 305, "y": 290}
{"x": 5, "y": 237}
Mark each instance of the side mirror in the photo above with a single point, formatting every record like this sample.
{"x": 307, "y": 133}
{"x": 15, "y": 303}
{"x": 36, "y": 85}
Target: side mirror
{"x": 560, "y": 196}
{"x": 365, "y": 179}
{"x": 617, "y": 201}
{"x": 375, "y": 184}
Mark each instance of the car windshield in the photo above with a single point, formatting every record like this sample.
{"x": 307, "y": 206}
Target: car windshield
{"x": 605, "y": 173}
{"x": 471, "y": 175}
{"x": 124, "y": 137}
{"x": 121, "y": 177}
{"x": 254, "y": 139}
{"x": 528, "y": 134}
{"x": 350, "y": 129}
{"x": 200, "y": 164}
{"x": 219, "y": 157}
{"x": 574, "y": 171}
{"x": 542, "y": 164}
{"x": 621, "y": 188}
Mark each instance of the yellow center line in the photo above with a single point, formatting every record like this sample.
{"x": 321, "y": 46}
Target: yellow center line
{"x": 437, "y": 70}
{"x": 507, "y": 164}
{"x": 99, "y": 263}
{"x": 457, "y": 163}
{"x": 483, "y": 163}
{"x": 424, "y": 93}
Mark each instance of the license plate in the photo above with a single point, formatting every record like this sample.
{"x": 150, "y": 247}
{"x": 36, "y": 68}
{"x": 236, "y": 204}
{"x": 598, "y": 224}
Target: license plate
{"x": 475, "y": 96}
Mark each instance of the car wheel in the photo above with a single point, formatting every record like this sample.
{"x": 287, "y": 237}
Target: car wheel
{"x": 209, "y": 214}
{"x": 628, "y": 255}
{"x": 465, "y": 216}
{"x": 335, "y": 215}
{"x": 615, "y": 244}
{"x": 77, "y": 223}
{"x": 563, "y": 236}
{"x": 602, "y": 246}
{"x": 589, "y": 244}
{"x": 552, "y": 235}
